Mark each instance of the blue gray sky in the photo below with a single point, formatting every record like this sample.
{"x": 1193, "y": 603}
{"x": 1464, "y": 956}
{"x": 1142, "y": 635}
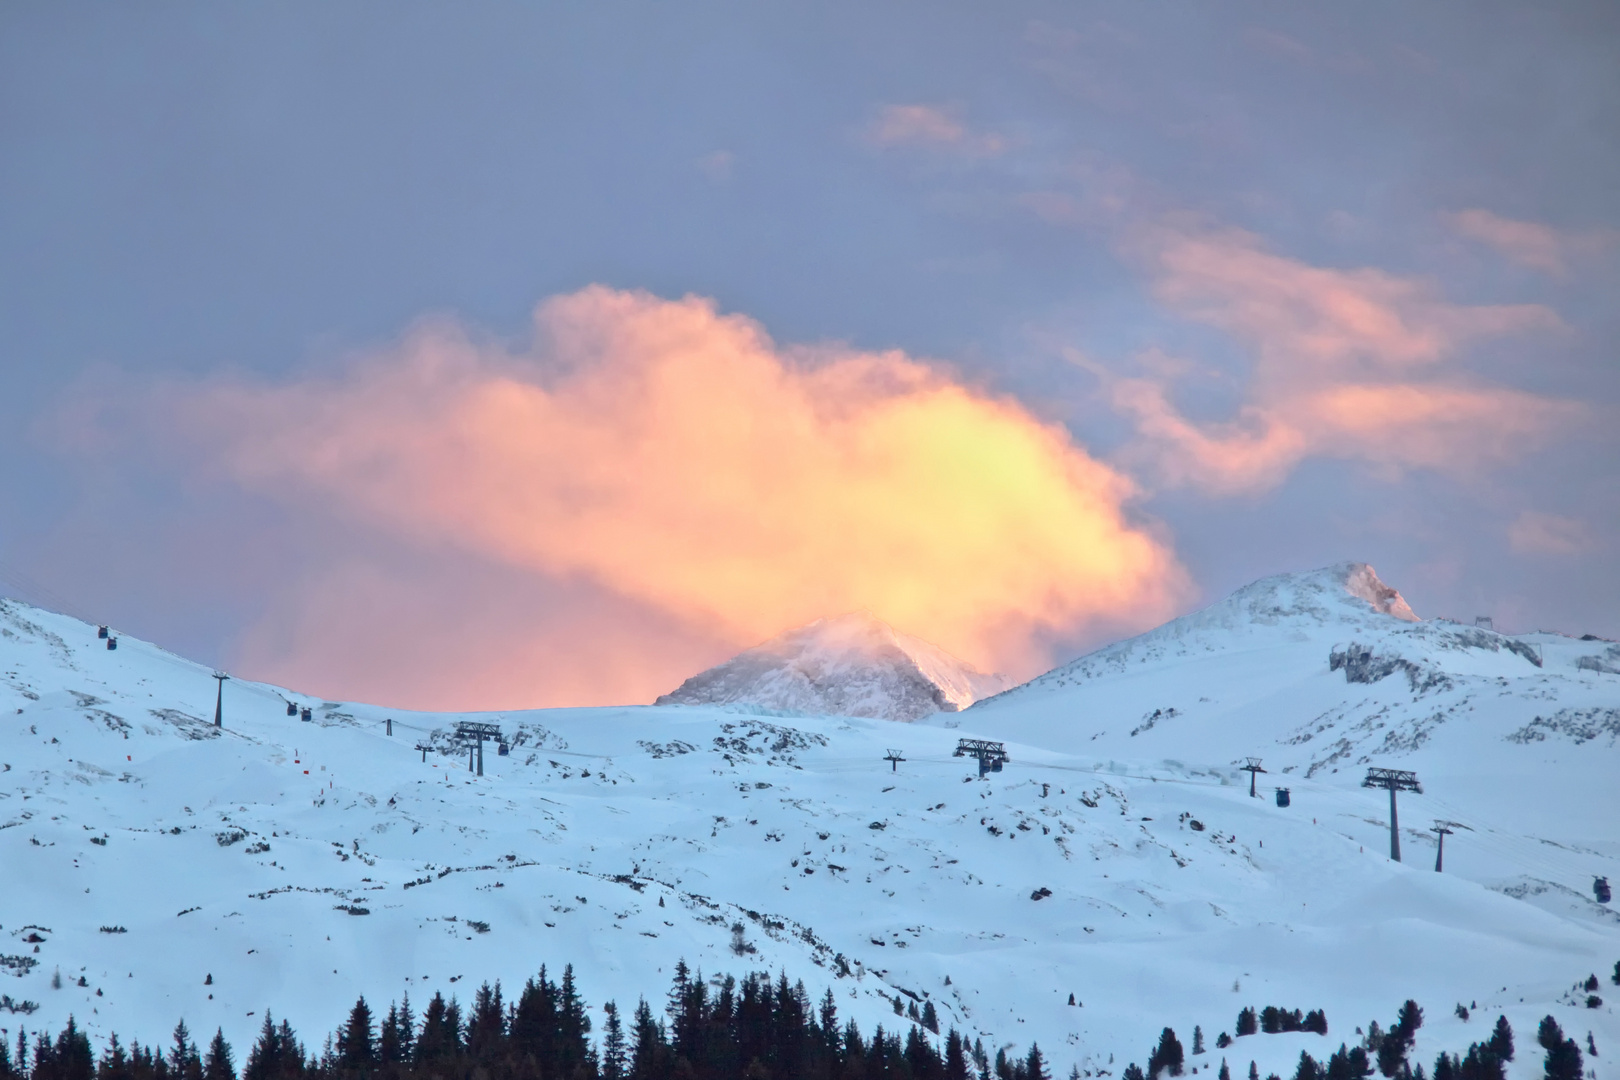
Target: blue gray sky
{"x": 496, "y": 354}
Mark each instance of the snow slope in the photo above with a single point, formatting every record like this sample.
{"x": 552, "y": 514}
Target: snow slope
{"x": 301, "y": 864}
{"x": 852, "y": 665}
{"x": 1325, "y": 673}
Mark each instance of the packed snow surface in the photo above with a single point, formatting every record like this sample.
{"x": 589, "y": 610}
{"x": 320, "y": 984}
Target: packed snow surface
{"x": 1118, "y": 857}
{"x": 854, "y": 665}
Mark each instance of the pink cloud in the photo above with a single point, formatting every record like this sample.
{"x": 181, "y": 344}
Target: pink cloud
{"x": 1539, "y": 247}
{"x": 928, "y": 125}
{"x": 682, "y": 467}
{"x": 1351, "y": 363}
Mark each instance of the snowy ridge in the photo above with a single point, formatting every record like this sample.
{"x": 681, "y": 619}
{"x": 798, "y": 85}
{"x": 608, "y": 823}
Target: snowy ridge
{"x": 1324, "y": 673}
{"x": 301, "y": 864}
{"x": 852, "y": 665}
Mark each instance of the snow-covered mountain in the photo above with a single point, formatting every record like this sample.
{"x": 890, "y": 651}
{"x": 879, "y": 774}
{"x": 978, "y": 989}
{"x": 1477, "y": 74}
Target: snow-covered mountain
{"x": 1117, "y": 858}
{"x": 852, "y": 665}
{"x": 1322, "y": 674}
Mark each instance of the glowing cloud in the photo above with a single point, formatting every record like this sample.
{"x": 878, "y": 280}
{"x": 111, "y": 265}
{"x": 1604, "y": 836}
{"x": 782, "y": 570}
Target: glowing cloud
{"x": 1347, "y": 363}
{"x": 681, "y": 460}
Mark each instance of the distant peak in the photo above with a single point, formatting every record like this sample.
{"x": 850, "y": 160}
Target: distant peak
{"x": 854, "y": 664}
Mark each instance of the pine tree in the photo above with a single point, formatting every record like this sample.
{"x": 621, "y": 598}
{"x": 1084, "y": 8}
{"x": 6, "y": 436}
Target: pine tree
{"x": 1563, "y": 1060}
{"x": 275, "y": 1055}
{"x": 651, "y": 1048}
{"x": 184, "y": 1061}
{"x": 1246, "y": 1023}
{"x": 614, "y": 1058}
{"x": 114, "y": 1064}
{"x": 1035, "y": 1065}
{"x": 440, "y": 1037}
{"x": 1481, "y": 1064}
{"x": 1167, "y": 1056}
{"x": 1397, "y": 1042}
{"x": 956, "y": 1061}
{"x": 930, "y": 1017}
{"x": 1254, "y": 1071}
{"x": 217, "y": 1064}
{"x": 1198, "y": 1040}
{"x": 1308, "y": 1069}
{"x": 388, "y": 1040}
{"x": 1445, "y": 1067}
{"x": 486, "y": 1027}
{"x": 355, "y": 1047}
{"x": 1225, "y": 1073}
{"x": 7, "y": 1070}
{"x": 70, "y": 1058}
{"x": 1501, "y": 1041}
{"x": 1133, "y": 1071}
{"x": 407, "y": 1027}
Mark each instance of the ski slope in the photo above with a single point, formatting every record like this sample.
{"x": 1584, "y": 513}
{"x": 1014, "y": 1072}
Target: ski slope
{"x": 300, "y": 864}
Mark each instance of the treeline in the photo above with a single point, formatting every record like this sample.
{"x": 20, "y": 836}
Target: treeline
{"x": 753, "y": 1029}
{"x": 1383, "y": 1051}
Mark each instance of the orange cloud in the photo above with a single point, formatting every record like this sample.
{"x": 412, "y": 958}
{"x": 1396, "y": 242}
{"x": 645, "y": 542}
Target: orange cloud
{"x": 681, "y": 460}
{"x": 1349, "y": 363}
{"x": 927, "y": 125}
{"x": 1540, "y": 247}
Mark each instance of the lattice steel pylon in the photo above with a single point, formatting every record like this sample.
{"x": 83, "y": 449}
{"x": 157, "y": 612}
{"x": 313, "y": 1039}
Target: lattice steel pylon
{"x": 470, "y": 730}
{"x": 1395, "y": 780}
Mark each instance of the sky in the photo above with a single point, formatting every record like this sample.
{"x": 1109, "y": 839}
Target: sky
{"x": 497, "y": 355}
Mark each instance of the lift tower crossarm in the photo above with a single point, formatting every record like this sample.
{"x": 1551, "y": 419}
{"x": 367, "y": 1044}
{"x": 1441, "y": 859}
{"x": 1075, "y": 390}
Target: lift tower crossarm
{"x": 1395, "y": 780}
{"x": 475, "y": 731}
{"x": 1252, "y": 767}
{"x": 1443, "y": 829}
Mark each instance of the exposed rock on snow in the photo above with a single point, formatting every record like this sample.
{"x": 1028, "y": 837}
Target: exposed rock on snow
{"x": 852, "y": 665}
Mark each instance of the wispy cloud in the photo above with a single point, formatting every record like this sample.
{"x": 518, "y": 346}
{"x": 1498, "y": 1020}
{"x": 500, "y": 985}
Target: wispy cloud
{"x": 1351, "y": 363}
{"x": 717, "y": 165}
{"x": 1537, "y": 533}
{"x": 1539, "y": 247}
{"x": 930, "y": 126}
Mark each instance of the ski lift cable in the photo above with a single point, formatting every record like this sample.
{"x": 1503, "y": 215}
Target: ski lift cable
{"x": 1510, "y": 848}
{"x": 27, "y": 585}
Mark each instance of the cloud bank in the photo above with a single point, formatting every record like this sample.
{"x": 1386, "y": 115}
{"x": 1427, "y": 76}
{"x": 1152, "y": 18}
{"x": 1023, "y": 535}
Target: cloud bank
{"x": 681, "y": 461}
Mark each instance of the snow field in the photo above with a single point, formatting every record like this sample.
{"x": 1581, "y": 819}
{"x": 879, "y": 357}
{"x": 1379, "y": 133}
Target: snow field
{"x": 565, "y": 848}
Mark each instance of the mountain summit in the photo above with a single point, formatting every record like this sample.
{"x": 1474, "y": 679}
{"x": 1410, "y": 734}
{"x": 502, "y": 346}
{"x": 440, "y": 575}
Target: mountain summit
{"x": 851, "y": 665}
